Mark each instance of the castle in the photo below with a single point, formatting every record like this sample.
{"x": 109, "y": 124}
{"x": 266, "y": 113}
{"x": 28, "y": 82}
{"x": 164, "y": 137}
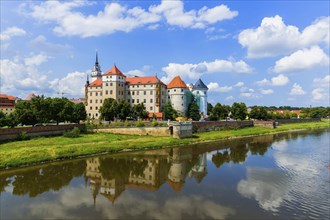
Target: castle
{"x": 149, "y": 90}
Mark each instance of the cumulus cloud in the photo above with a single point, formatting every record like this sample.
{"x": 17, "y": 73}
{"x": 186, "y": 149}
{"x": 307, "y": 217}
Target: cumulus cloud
{"x": 35, "y": 60}
{"x": 266, "y": 91}
{"x": 10, "y": 32}
{"x": 322, "y": 82}
{"x": 239, "y": 84}
{"x": 280, "y": 80}
{"x": 273, "y": 37}
{"x": 195, "y": 71}
{"x": 214, "y": 87}
{"x": 297, "y": 90}
{"x": 116, "y": 17}
{"x": 264, "y": 82}
{"x": 71, "y": 85}
{"x": 42, "y": 44}
{"x": 302, "y": 60}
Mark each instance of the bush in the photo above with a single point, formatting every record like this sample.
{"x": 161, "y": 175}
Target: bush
{"x": 23, "y": 136}
{"x": 139, "y": 123}
{"x": 154, "y": 122}
{"x": 74, "y": 133}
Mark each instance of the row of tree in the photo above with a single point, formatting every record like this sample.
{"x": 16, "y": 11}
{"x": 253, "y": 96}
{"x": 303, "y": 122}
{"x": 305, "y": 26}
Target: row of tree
{"x": 44, "y": 110}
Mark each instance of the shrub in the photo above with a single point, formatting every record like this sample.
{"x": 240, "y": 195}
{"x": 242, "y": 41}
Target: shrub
{"x": 139, "y": 123}
{"x": 154, "y": 122}
{"x": 74, "y": 133}
{"x": 23, "y": 136}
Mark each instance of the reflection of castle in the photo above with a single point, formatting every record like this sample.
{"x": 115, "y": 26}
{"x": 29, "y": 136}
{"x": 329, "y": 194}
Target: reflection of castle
{"x": 148, "y": 172}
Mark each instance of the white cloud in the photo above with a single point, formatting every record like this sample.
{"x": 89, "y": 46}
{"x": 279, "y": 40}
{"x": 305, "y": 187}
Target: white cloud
{"x": 230, "y": 98}
{"x": 280, "y": 80}
{"x": 35, "y": 60}
{"x": 10, "y": 32}
{"x": 214, "y": 87}
{"x": 71, "y": 85}
{"x": 302, "y": 60}
{"x": 40, "y": 43}
{"x": 132, "y": 73}
{"x": 195, "y": 71}
{"x": 239, "y": 84}
{"x": 116, "y": 17}
{"x": 297, "y": 90}
{"x": 322, "y": 82}
{"x": 321, "y": 91}
{"x": 319, "y": 94}
{"x": 266, "y": 91}
{"x": 264, "y": 82}
{"x": 273, "y": 37}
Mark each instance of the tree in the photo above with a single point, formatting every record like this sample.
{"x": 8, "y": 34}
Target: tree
{"x": 220, "y": 111}
{"x": 124, "y": 109}
{"x": 25, "y": 113}
{"x": 68, "y": 111}
{"x": 259, "y": 112}
{"x": 193, "y": 111}
{"x": 79, "y": 112}
{"x": 139, "y": 111}
{"x": 169, "y": 112}
{"x": 11, "y": 120}
{"x": 42, "y": 107}
{"x": 56, "y": 109}
{"x": 239, "y": 110}
{"x": 209, "y": 108}
{"x": 108, "y": 109}
{"x": 3, "y": 121}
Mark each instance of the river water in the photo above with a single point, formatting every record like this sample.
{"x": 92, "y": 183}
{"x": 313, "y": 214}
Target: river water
{"x": 283, "y": 176}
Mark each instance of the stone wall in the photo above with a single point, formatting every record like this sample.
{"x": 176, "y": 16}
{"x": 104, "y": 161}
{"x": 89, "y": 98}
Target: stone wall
{"x": 11, "y": 133}
{"x": 287, "y": 121}
{"x": 182, "y": 130}
{"x": 267, "y": 124}
{"x": 154, "y": 131}
{"x": 219, "y": 125}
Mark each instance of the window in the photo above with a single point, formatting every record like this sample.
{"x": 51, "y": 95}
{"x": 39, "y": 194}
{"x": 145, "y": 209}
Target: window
{"x": 90, "y": 101}
{"x": 90, "y": 94}
{"x": 133, "y": 86}
{"x": 110, "y": 92}
{"x": 100, "y": 93}
{"x": 205, "y": 92}
{"x": 96, "y": 94}
{"x": 137, "y": 101}
{"x": 106, "y": 84}
{"x": 168, "y": 90}
{"x": 151, "y": 92}
{"x": 106, "y": 92}
{"x": 91, "y": 108}
{"x": 89, "y": 114}
{"x": 100, "y": 100}
{"x": 181, "y": 90}
{"x": 96, "y": 101}
{"x": 96, "y": 114}
{"x": 151, "y": 100}
{"x": 144, "y": 86}
{"x": 96, "y": 108}
{"x": 144, "y": 92}
{"x": 137, "y": 92}
{"x": 110, "y": 84}
{"x": 150, "y": 108}
{"x": 133, "y": 93}
{"x": 137, "y": 86}
{"x": 132, "y": 100}
{"x": 182, "y": 97}
{"x": 128, "y": 93}
{"x": 174, "y": 90}
{"x": 144, "y": 101}
{"x": 197, "y": 92}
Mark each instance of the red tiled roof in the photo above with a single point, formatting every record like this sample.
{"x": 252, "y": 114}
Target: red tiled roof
{"x": 158, "y": 114}
{"x": 9, "y": 97}
{"x": 143, "y": 80}
{"x": 97, "y": 82}
{"x": 177, "y": 82}
{"x": 114, "y": 71}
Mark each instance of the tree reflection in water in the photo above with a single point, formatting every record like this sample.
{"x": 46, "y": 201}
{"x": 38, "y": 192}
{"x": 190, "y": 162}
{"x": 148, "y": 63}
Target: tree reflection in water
{"x": 110, "y": 175}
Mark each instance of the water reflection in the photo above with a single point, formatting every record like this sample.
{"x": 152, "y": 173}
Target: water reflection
{"x": 257, "y": 177}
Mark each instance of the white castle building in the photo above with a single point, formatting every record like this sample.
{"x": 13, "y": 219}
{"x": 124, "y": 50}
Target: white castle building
{"x": 149, "y": 90}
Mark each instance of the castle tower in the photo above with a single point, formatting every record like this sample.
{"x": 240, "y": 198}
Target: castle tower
{"x": 113, "y": 84}
{"x": 96, "y": 71}
{"x": 177, "y": 94}
{"x": 199, "y": 90}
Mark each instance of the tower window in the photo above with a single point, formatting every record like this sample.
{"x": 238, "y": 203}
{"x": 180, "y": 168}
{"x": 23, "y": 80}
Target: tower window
{"x": 144, "y": 92}
{"x": 110, "y": 84}
{"x": 151, "y": 100}
{"x": 110, "y": 92}
{"x": 144, "y": 101}
{"x": 137, "y": 101}
{"x": 151, "y": 92}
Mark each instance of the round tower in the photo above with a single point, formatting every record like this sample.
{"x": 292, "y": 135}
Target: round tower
{"x": 199, "y": 91}
{"x": 176, "y": 92}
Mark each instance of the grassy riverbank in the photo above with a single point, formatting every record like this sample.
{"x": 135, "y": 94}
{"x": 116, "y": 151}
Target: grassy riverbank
{"x": 43, "y": 149}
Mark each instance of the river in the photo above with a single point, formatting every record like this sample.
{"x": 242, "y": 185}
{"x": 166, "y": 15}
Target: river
{"x": 281, "y": 176}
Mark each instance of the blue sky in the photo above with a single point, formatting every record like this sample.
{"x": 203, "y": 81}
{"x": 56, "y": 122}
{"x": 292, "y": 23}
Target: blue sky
{"x": 260, "y": 53}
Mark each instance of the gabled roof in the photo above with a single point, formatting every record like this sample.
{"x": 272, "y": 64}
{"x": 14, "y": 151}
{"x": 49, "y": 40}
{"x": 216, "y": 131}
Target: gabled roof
{"x": 143, "y": 80}
{"x": 177, "y": 82}
{"x": 200, "y": 85}
{"x": 9, "y": 97}
{"x": 114, "y": 71}
{"x": 97, "y": 82}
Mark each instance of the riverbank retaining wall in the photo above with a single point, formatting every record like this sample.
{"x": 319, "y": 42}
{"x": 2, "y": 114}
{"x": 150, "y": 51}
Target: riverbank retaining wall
{"x": 47, "y": 130}
{"x": 199, "y": 126}
{"x": 298, "y": 120}
{"x": 154, "y": 131}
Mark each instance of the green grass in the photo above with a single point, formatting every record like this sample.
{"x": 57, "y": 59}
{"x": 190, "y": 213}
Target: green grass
{"x": 42, "y": 149}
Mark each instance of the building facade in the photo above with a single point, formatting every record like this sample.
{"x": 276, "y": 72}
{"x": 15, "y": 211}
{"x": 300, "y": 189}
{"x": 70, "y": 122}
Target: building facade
{"x": 7, "y": 103}
{"x": 149, "y": 90}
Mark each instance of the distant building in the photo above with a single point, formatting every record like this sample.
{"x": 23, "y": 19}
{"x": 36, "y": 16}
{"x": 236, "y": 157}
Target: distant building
{"x": 78, "y": 100}
{"x": 149, "y": 90}
{"x": 7, "y": 103}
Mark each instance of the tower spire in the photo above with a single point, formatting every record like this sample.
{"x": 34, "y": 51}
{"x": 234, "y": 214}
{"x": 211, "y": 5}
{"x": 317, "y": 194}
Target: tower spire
{"x": 97, "y": 59}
